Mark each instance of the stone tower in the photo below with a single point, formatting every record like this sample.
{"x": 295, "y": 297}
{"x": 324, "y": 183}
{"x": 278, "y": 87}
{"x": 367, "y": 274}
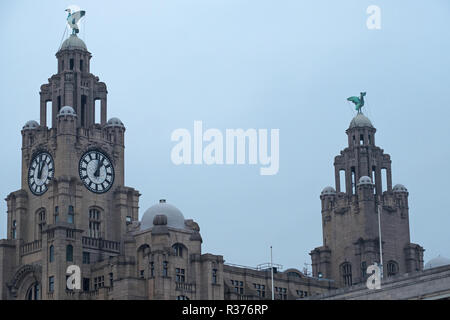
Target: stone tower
{"x": 72, "y": 207}
{"x": 363, "y": 181}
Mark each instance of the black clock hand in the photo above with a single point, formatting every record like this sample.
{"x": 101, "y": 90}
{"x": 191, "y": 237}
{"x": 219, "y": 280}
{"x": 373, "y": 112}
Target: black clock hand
{"x": 99, "y": 165}
{"x": 41, "y": 166}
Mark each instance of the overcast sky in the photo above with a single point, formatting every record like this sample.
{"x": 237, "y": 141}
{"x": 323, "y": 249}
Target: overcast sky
{"x": 287, "y": 65}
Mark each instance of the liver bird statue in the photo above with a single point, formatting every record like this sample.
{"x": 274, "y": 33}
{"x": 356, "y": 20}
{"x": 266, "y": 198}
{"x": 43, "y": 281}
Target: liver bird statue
{"x": 359, "y": 102}
{"x": 73, "y": 18}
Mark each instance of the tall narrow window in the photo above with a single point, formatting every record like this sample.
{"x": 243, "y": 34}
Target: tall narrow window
{"x": 41, "y": 222}
{"x": 59, "y": 102}
{"x": 81, "y": 65}
{"x": 51, "y": 254}
{"x": 71, "y": 62}
{"x": 111, "y": 279}
{"x": 94, "y": 223}
{"x": 152, "y": 269}
{"x": 51, "y": 284}
{"x": 86, "y": 284}
{"x": 69, "y": 253}
{"x": 165, "y": 269}
{"x": 346, "y": 273}
{"x": 13, "y": 230}
{"x": 361, "y": 139}
{"x": 342, "y": 185}
{"x": 214, "y": 276}
{"x": 56, "y": 214}
{"x": 98, "y": 110}
{"x": 383, "y": 179}
{"x": 363, "y": 270}
{"x": 70, "y": 215}
{"x": 62, "y": 65}
{"x": 353, "y": 180}
{"x": 86, "y": 258}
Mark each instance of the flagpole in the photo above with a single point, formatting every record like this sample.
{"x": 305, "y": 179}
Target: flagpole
{"x": 271, "y": 268}
{"x": 379, "y": 237}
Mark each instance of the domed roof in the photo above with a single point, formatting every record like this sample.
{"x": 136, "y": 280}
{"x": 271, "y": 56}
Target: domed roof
{"x": 175, "y": 218}
{"x": 67, "y": 111}
{"x": 365, "y": 180}
{"x": 360, "y": 120}
{"x": 399, "y": 188}
{"x": 437, "y": 262}
{"x": 115, "y": 122}
{"x": 72, "y": 43}
{"x": 328, "y": 191}
{"x": 31, "y": 125}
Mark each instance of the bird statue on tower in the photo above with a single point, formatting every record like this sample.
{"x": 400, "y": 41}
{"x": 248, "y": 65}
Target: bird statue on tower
{"x": 358, "y": 101}
{"x": 75, "y": 14}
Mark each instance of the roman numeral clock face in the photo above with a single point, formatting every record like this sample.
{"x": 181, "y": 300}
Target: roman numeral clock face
{"x": 96, "y": 171}
{"x": 40, "y": 173}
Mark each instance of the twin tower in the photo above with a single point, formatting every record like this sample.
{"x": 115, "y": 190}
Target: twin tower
{"x": 363, "y": 181}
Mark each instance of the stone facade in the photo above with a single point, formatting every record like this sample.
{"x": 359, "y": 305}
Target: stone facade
{"x": 350, "y": 214}
{"x": 71, "y": 211}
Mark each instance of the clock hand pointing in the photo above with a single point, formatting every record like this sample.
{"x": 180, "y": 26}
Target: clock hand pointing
{"x": 99, "y": 165}
{"x": 40, "y": 167}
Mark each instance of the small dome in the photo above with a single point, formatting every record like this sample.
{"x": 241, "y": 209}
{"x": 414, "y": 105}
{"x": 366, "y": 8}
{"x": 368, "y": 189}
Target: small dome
{"x": 437, "y": 262}
{"x": 72, "y": 43}
{"x": 115, "y": 122}
{"x": 365, "y": 180}
{"x": 399, "y": 188}
{"x": 67, "y": 111}
{"x": 360, "y": 120}
{"x": 31, "y": 125}
{"x": 174, "y": 217}
{"x": 328, "y": 191}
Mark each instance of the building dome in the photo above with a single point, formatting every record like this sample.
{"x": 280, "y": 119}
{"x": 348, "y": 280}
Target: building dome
{"x": 399, "y": 188}
{"x": 67, "y": 111}
{"x": 360, "y": 120}
{"x": 72, "y": 43}
{"x": 365, "y": 180}
{"x": 437, "y": 262}
{"x": 175, "y": 218}
{"x": 115, "y": 122}
{"x": 31, "y": 125}
{"x": 328, "y": 191}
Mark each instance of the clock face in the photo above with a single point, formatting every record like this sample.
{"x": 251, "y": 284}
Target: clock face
{"x": 40, "y": 172}
{"x": 96, "y": 171}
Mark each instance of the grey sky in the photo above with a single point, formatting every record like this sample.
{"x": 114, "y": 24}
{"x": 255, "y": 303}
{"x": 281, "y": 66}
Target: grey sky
{"x": 250, "y": 64}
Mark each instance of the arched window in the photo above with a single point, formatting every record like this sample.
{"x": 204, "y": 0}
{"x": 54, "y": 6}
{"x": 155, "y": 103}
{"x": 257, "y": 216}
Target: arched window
{"x": 34, "y": 292}
{"x": 346, "y": 274}
{"x": 392, "y": 268}
{"x": 69, "y": 253}
{"x": 51, "y": 254}
{"x": 94, "y": 223}
{"x": 178, "y": 249}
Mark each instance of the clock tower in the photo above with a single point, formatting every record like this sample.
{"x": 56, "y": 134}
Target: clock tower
{"x": 73, "y": 207}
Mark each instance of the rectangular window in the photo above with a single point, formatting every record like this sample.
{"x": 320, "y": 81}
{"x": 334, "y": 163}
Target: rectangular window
{"x": 141, "y": 274}
{"x": 152, "y": 269}
{"x": 165, "y": 269}
{"x": 86, "y": 258}
{"x": 70, "y": 215}
{"x": 83, "y": 109}
{"x": 81, "y": 65}
{"x": 51, "y": 284}
{"x": 71, "y": 64}
{"x": 214, "y": 276}
{"x": 56, "y": 214}
{"x": 179, "y": 275}
{"x": 59, "y": 103}
{"x": 86, "y": 284}
{"x": 111, "y": 280}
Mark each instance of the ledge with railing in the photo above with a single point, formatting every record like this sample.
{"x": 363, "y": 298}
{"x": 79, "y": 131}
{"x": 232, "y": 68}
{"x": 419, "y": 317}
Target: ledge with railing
{"x": 98, "y": 243}
{"x": 31, "y": 247}
{"x": 186, "y": 287}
